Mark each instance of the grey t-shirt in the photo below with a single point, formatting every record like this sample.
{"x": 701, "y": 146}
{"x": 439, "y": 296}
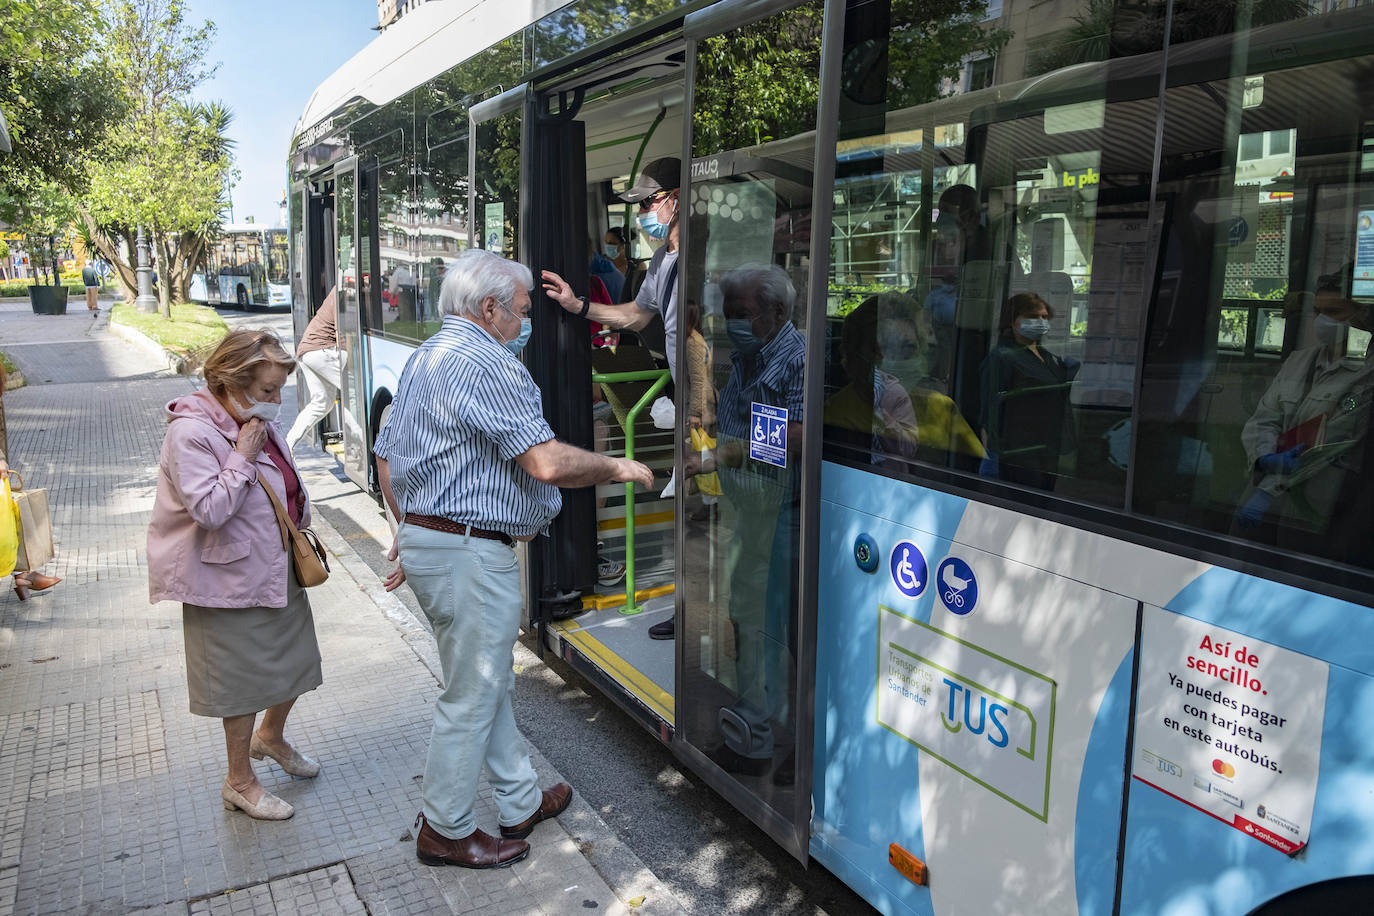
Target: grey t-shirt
{"x": 653, "y": 298}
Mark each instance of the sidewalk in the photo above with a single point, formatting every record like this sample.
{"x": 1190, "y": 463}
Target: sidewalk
{"x": 110, "y": 787}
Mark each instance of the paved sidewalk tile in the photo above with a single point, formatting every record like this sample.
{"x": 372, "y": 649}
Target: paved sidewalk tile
{"x": 110, "y": 787}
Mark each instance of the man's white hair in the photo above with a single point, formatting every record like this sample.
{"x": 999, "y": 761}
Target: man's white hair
{"x": 476, "y": 274}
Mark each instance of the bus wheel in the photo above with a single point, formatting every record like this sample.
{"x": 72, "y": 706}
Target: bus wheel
{"x": 243, "y": 298}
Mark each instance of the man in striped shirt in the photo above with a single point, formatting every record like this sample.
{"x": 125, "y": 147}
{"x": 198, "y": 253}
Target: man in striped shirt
{"x": 760, "y": 487}
{"x": 468, "y": 464}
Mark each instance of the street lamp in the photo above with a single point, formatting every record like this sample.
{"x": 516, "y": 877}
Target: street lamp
{"x": 146, "y": 301}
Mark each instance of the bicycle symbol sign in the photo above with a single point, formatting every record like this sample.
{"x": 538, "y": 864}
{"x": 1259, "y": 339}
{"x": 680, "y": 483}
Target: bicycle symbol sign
{"x": 908, "y": 568}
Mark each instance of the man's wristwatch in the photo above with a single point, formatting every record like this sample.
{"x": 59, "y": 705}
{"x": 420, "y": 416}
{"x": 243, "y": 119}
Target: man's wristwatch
{"x": 586, "y": 306}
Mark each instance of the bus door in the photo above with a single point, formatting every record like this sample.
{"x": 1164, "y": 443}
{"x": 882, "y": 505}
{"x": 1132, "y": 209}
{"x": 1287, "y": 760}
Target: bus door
{"x": 606, "y": 126}
{"x": 743, "y": 678}
{"x": 349, "y": 274}
{"x": 552, "y": 205}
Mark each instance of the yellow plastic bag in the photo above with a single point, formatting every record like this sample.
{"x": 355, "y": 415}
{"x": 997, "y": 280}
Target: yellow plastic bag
{"x": 706, "y": 483}
{"x": 9, "y": 527}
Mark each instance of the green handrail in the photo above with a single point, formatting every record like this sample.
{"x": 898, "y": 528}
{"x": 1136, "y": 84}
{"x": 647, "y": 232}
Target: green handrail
{"x": 660, "y": 381}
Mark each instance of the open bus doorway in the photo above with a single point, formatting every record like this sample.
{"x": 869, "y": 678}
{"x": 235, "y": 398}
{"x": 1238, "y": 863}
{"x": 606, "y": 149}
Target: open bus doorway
{"x": 623, "y": 117}
{"x": 320, "y": 259}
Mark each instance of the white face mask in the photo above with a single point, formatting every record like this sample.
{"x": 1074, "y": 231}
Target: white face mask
{"x": 262, "y": 410}
{"x": 1329, "y": 331}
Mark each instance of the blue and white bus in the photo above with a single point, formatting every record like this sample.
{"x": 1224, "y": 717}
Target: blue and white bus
{"x": 246, "y": 266}
{"x": 1041, "y": 580}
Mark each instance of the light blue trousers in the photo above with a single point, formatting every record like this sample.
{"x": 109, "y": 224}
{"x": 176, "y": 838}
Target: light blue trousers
{"x": 470, "y": 590}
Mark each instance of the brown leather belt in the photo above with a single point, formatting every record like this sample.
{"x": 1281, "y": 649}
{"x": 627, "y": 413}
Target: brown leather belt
{"x": 439, "y": 523}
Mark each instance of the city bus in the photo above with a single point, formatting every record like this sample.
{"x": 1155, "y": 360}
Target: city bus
{"x": 245, "y": 266}
{"x": 1020, "y": 558}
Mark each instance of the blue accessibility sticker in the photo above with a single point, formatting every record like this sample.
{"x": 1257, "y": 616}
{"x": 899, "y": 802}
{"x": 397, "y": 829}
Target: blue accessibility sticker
{"x": 956, "y": 585}
{"x": 908, "y": 568}
{"x": 768, "y": 434}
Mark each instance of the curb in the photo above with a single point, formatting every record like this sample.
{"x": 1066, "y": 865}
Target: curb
{"x": 623, "y": 871}
{"x": 176, "y": 362}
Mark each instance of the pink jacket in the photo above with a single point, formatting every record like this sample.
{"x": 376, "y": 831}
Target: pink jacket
{"x": 214, "y": 539}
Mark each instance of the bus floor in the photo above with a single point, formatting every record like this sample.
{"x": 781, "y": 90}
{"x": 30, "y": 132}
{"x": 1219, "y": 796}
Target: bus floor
{"x": 614, "y": 651}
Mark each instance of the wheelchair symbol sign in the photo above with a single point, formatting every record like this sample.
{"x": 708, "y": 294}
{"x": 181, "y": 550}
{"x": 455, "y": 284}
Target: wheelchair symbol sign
{"x": 908, "y": 568}
{"x": 956, "y": 585}
{"x": 768, "y": 434}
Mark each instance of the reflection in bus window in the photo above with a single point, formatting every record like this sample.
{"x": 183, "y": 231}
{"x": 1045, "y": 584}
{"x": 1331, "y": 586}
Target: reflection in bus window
{"x": 1256, "y": 384}
{"x": 980, "y": 190}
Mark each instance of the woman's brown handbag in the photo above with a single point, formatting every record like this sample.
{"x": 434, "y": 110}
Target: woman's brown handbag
{"x": 307, "y": 553}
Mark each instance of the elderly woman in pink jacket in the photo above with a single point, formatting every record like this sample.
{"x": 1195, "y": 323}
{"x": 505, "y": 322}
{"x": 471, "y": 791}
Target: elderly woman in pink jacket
{"x": 213, "y": 545}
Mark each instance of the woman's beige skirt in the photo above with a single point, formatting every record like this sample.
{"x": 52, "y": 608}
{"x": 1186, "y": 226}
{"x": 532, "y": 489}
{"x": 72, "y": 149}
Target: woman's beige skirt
{"x": 243, "y": 660}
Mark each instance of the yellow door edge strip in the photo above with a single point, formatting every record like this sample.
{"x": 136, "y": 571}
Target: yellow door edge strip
{"x": 641, "y": 521}
{"x": 601, "y": 602}
{"x": 649, "y": 693}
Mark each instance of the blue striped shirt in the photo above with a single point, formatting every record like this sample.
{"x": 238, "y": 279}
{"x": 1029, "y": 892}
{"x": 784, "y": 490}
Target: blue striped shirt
{"x": 465, "y": 408}
{"x": 776, "y": 377}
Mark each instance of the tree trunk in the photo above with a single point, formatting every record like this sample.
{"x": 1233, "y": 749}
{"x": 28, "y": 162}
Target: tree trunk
{"x": 107, "y": 244}
{"x": 164, "y": 275}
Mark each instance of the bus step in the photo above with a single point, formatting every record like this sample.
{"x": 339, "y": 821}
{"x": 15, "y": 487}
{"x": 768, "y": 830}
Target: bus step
{"x": 600, "y": 602}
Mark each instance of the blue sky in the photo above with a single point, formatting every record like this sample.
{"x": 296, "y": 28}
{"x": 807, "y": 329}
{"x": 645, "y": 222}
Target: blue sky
{"x": 272, "y": 56}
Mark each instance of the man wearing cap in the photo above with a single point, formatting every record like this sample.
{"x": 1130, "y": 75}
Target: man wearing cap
{"x": 657, "y": 193}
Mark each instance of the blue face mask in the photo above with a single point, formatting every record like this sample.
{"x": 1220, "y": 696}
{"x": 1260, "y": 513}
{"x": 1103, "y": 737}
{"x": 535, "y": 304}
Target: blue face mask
{"x": 741, "y": 333}
{"x": 517, "y": 344}
{"x": 652, "y": 227}
{"x": 1034, "y": 328}
{"x": 612, "y": 251}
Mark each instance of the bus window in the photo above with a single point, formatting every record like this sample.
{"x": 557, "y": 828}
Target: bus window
{"x": 1257, "y": 383}
{"x": 989, "y": 250}
{"x": 745, "y": 291}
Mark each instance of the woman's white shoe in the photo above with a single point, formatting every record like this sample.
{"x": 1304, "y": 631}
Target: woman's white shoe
{"x": 268, "y": 808}
{"x": 297, "y": 764}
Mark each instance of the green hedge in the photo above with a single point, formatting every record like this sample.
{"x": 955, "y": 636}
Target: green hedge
{"x": 21, "y": 287}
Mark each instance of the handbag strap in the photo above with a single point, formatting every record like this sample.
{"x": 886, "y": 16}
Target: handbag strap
{"x": 14, "y": 473}
{"x": 283, "y": 520}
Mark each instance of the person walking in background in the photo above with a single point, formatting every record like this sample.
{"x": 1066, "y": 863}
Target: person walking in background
{"x": 28, "y": 580}
{"x": 90, "y": 276}
{"x": 214, "y": 545}
{"x": 468, "y": 464}
{"x": 319, "y": 368}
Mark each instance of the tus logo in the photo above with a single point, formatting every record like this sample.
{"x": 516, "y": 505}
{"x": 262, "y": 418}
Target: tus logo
{"x": 990, "y": 720}
{"x": 988, "y": 717}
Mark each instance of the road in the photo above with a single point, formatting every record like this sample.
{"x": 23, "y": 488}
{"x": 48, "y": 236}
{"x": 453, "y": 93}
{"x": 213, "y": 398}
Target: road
{"x": 712, "y": 858}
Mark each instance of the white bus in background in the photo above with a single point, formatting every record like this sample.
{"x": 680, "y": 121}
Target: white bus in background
{"x": 246, "y": 266}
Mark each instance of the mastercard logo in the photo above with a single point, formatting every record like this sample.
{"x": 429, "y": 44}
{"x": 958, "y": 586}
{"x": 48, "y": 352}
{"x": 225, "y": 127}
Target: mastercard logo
{"x": 1224, "y": 768}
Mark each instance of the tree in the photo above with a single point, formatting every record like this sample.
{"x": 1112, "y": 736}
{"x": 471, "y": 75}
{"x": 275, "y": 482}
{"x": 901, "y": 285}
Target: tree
{"x": 170, "y": 158}
{"x": 44, "y": 216}
{"x": 57, "y": 93}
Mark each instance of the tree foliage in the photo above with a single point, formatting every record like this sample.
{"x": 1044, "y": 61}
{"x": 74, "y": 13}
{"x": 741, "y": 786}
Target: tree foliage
{"x": 57, "y": 93}
{"x": 169, "y": 159}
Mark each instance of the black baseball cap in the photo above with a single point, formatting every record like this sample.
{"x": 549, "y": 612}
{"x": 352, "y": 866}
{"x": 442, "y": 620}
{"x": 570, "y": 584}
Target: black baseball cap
{"x": 660, "y": 175}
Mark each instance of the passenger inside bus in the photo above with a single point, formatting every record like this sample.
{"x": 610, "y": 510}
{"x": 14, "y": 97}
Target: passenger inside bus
{"x": 873, "y": 408}
{"x": 1306, "y": 437}
{"x": 1025, "y": 398}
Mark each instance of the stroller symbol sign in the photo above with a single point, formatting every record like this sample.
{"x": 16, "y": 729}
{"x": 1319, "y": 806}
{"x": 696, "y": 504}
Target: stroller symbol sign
{"x": 768, "y": 434}
{"x": 958, "y": 588}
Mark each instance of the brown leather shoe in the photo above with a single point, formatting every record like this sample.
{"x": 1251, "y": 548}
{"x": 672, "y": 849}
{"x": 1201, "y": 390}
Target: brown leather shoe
{"x": 555, "y": 801}
{"x": 476, "y": 850}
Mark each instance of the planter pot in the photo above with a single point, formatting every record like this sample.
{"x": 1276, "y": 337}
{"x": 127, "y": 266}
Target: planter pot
{"x": 48, "y": 300}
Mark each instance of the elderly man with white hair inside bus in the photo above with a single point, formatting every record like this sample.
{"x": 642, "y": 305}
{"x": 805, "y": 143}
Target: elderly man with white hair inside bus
{"x": 468, "y": 464}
